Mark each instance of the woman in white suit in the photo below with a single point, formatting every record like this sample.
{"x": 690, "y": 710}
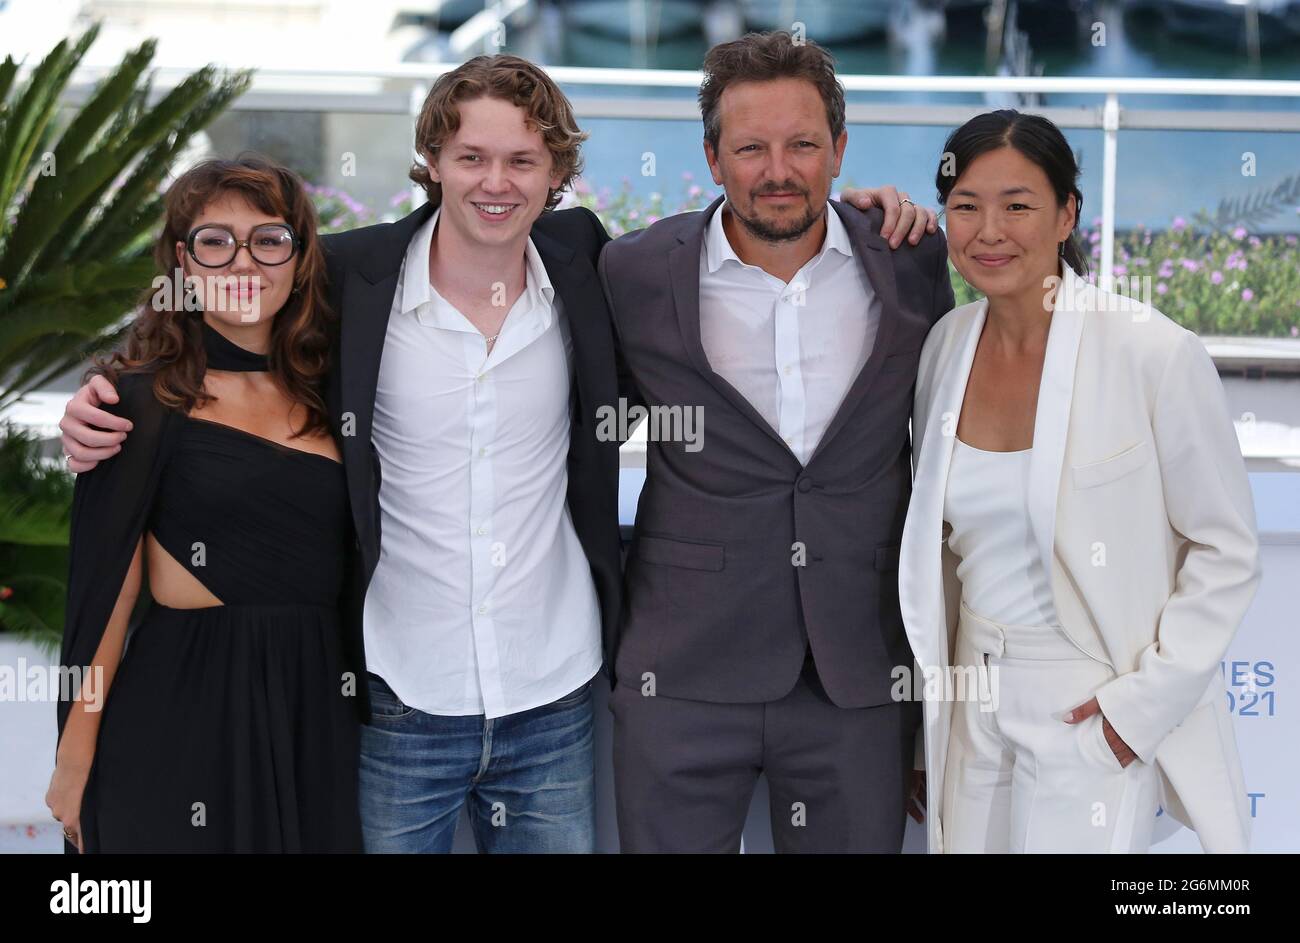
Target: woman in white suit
{"x": 1080, "y": 545}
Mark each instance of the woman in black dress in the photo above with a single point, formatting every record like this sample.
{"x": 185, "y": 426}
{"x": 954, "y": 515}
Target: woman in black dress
{"x": 226, "y": 721}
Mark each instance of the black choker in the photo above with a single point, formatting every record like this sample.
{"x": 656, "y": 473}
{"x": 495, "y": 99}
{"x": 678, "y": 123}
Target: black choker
{"x": 224, "y": 354}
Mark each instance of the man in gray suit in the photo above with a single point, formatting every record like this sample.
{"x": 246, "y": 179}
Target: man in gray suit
{"x": 761, "y": 623}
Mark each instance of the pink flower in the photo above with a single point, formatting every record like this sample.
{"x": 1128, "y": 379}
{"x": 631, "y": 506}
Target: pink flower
{"x": 1239, "y": 232}
{"x": 1161, "y": 288}
{"x": 1216, "y": 277}
{"x": 1247, "y": 294}
{"x": 1179, "y": 224}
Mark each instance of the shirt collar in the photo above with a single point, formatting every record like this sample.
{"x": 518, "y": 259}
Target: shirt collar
{"x": 717, "y": 248}
{"x": 539, "y": 281}
{"x": 416, "y": 289}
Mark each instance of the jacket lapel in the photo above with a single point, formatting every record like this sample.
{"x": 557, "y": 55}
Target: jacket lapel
{"x": 579, "y": 291}
{"x": 684, "y": 274}
{"x": 872, "y": 252}
{"x": 921, "y": 566}
{"x": 370, "y": 281}
{"x": 367, "y": 302}
{"x": 1052, "y": 416}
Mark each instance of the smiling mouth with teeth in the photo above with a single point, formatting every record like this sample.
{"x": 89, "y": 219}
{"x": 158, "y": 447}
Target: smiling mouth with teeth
{"x": 495, "y": 209}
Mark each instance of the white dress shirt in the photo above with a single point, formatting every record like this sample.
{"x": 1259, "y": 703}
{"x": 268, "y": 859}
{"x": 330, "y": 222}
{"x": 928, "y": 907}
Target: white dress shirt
{"x": 791, "y": 349}
{"x": 483, "y": 600}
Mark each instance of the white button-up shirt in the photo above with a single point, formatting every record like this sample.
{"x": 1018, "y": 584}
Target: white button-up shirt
{"x": 483, "y": 600}
{"x": 791, "y": 349}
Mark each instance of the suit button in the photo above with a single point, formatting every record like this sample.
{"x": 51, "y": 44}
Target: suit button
{"x": 805, "y": 485}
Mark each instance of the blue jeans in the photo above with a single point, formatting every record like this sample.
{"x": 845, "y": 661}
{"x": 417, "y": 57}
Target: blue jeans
{"x": 529, "y": 777}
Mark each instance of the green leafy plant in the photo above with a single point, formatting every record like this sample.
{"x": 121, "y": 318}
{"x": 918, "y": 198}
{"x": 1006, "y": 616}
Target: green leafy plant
{"x": 35, "y": 502}
{"x": 625, "y": 210}
{"x": 1212, "y": 282}
{"x": 79, "y": 201}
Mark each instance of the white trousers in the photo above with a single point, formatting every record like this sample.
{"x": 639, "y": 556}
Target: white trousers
{"x": 1019, "y": 779}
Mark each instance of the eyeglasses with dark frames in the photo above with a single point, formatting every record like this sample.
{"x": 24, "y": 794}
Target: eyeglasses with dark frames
{"x": 215, "y": 246}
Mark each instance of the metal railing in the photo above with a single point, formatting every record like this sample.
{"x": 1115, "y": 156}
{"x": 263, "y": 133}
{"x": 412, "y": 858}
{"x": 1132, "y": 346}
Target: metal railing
{"x": 399, "y": 89}
{"x": 367, "y": 90}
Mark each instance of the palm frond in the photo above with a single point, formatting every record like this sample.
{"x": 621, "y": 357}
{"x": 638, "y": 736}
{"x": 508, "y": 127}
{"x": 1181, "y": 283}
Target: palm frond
{"x": 27, "y": 625}
{"x": 25, "y": 123}
{"x": 1258, "y": 207}
{"x": 33, "y": 524}
{"x": 74, "y": 244}
{"x": 77, "y": 299}
{"x": 54, "y": 355}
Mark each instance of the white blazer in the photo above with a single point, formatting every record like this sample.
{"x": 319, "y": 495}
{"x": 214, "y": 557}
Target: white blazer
{"x": 1142, "y": 513}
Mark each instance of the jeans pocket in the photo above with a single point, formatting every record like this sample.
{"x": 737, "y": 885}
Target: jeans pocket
{"x": 383, "y": 702}
{"x": 576, "y": 696}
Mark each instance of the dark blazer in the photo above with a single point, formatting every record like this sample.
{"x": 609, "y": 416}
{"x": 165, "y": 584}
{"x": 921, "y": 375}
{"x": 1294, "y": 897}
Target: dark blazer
{"x": 363, "y": 265}
{"x": 715, "y": 606}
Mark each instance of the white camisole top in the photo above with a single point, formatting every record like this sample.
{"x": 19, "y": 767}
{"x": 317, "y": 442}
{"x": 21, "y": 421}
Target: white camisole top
{"x": 1002, "y": 576}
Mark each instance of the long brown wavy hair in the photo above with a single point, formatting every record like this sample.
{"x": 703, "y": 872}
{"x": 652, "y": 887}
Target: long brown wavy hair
{"x": 169, "y": 343}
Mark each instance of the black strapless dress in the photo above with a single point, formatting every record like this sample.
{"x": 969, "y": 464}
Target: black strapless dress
{"x": 233, "y": 728}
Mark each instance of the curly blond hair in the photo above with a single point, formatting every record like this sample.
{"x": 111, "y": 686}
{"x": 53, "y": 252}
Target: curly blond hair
{"x": 511, "y": 79}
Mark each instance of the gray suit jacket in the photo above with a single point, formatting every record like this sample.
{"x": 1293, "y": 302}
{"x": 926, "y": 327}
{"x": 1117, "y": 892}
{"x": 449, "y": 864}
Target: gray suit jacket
{"x": 715, "y": 607}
